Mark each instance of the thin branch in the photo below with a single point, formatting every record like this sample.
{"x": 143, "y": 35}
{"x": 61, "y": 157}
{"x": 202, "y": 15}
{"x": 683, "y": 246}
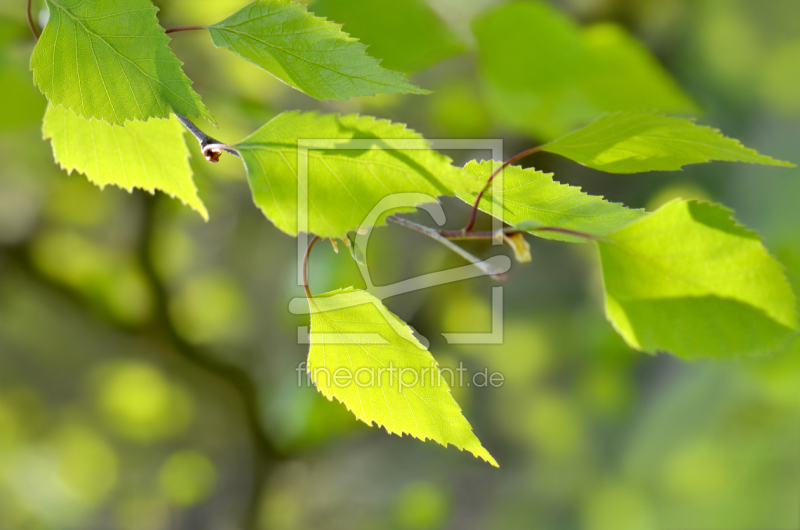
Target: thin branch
{"x": 31, "y": 24}
{"x": 455, "y": 235}
{"x": 510, "y": 231}
{"x": 567, "y": 231}
{"x": 212, "y": 148}
{"x": 487, "y": 268}
{"x": 507, "y": 163}
{"x": 186, "y": 28}
{"x": 305, "y": 267}
{"x": 213, "y": 151}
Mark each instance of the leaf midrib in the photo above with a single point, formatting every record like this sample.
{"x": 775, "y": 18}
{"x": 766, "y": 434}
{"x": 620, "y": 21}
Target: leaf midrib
{"x": 301, "y": 58}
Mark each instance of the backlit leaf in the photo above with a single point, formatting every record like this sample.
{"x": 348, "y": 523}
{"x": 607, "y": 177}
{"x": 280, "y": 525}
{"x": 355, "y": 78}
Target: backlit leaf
{"x": 306, "y": 52}
{"x": 687, "y": 279}
{"x": 637, "y": 142}
{"x": 545, "y": 76}
{"x": 148, "y": 155}
{"x": 407, "y": 35}
{"x": 109, "y": 60}
{"x": 364, "y": 160}
{"x": 369, "y": 359}
{"x": 532, "y": 199}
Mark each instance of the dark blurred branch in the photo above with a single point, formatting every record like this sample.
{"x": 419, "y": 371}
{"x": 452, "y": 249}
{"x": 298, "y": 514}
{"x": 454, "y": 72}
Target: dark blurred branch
{"x": 31, "y": 24}
{"x": 212, "y": 148}
{"x": 265, "y": 453}
{"x": 160, "y": 329}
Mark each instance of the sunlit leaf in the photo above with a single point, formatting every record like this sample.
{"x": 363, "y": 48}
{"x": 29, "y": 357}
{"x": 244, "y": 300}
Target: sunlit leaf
{"x": 364, "y": 160}
{"x": 306, "y": 52}
{"x": 532, "y": 199}
{"x": 637, "y": 142}
{"x": 369, "y": 359}
{"x": 407, "y": 35}
{"x": 110, "y": 60}
{"x": 545, "y": 76}
{"x": 148, "y": 155}
{"x": 687, "y": 279}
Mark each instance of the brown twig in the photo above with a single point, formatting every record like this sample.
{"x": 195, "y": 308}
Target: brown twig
{"x": 305, "y": 266}
{"x": 31, "y": 24}
{"x": 486, "y": 267}
{"x": 508, "y": 162}
{"x": 510, "y": 231}
{"x": 185, "y": 28}
{"x": 212, "y": 148}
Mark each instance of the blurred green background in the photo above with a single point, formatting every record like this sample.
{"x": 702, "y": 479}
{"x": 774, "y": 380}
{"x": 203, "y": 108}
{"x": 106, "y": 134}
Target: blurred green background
{"x": 147, "y": 358}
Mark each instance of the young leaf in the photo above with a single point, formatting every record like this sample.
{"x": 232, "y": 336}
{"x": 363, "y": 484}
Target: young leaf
{"x": 687, "y": 279}
{"x": 148, "y": 155}
{"x": 368, "y": 359}
{"x": 109, "y": 60}
{"x": 532, "y": 196}
{"x": 406, "y": 34}
{"x": 306, "y": 52}
{"x": 364, "y": 161}
{"x": 545, "y": 76}
{"x": 635, "y": 142}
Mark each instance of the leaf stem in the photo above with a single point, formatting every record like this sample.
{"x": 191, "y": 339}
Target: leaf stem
{"x": 510, "y": 231}
{"x": 212, "y": 148}
{"x": 487, "y": 268}
{"x": 31, "y": 24}
{"x": 185, "y": 28}
{"x": 305, "y": 266}
{"x": 461, "y": 234}
{"x": 508, "y": 162}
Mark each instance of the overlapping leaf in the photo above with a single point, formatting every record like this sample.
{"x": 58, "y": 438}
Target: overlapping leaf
{"x": 356, "y": 163}
{"x": 148, "y": 155}
{"x": 368, "y": 359}
{"x": 109, "y": 60}
{"x": 306, "y": 52}
{"x": 530, "y": 195}
{"x": 407, "y": 35}
{"x": 635, "y": 142}
{"x": 687, "y": 279}
{"x": 545, "y": 76}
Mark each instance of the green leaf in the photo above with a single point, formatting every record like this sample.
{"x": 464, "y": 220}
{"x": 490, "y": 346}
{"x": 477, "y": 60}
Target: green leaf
{"x": 406, "y": 34}
{"x": 306, "y": 52}
{"x": 148, "y": 155}
{"x": 687, "y": 279}
{"x": 369, "y": 359}
{"x": 344, "y": 185}
{"x": 532, "y": 199}
{"x": 637, "y": 142}
{"x": 544, "y": 76}
{"x": 110, "y": 60}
